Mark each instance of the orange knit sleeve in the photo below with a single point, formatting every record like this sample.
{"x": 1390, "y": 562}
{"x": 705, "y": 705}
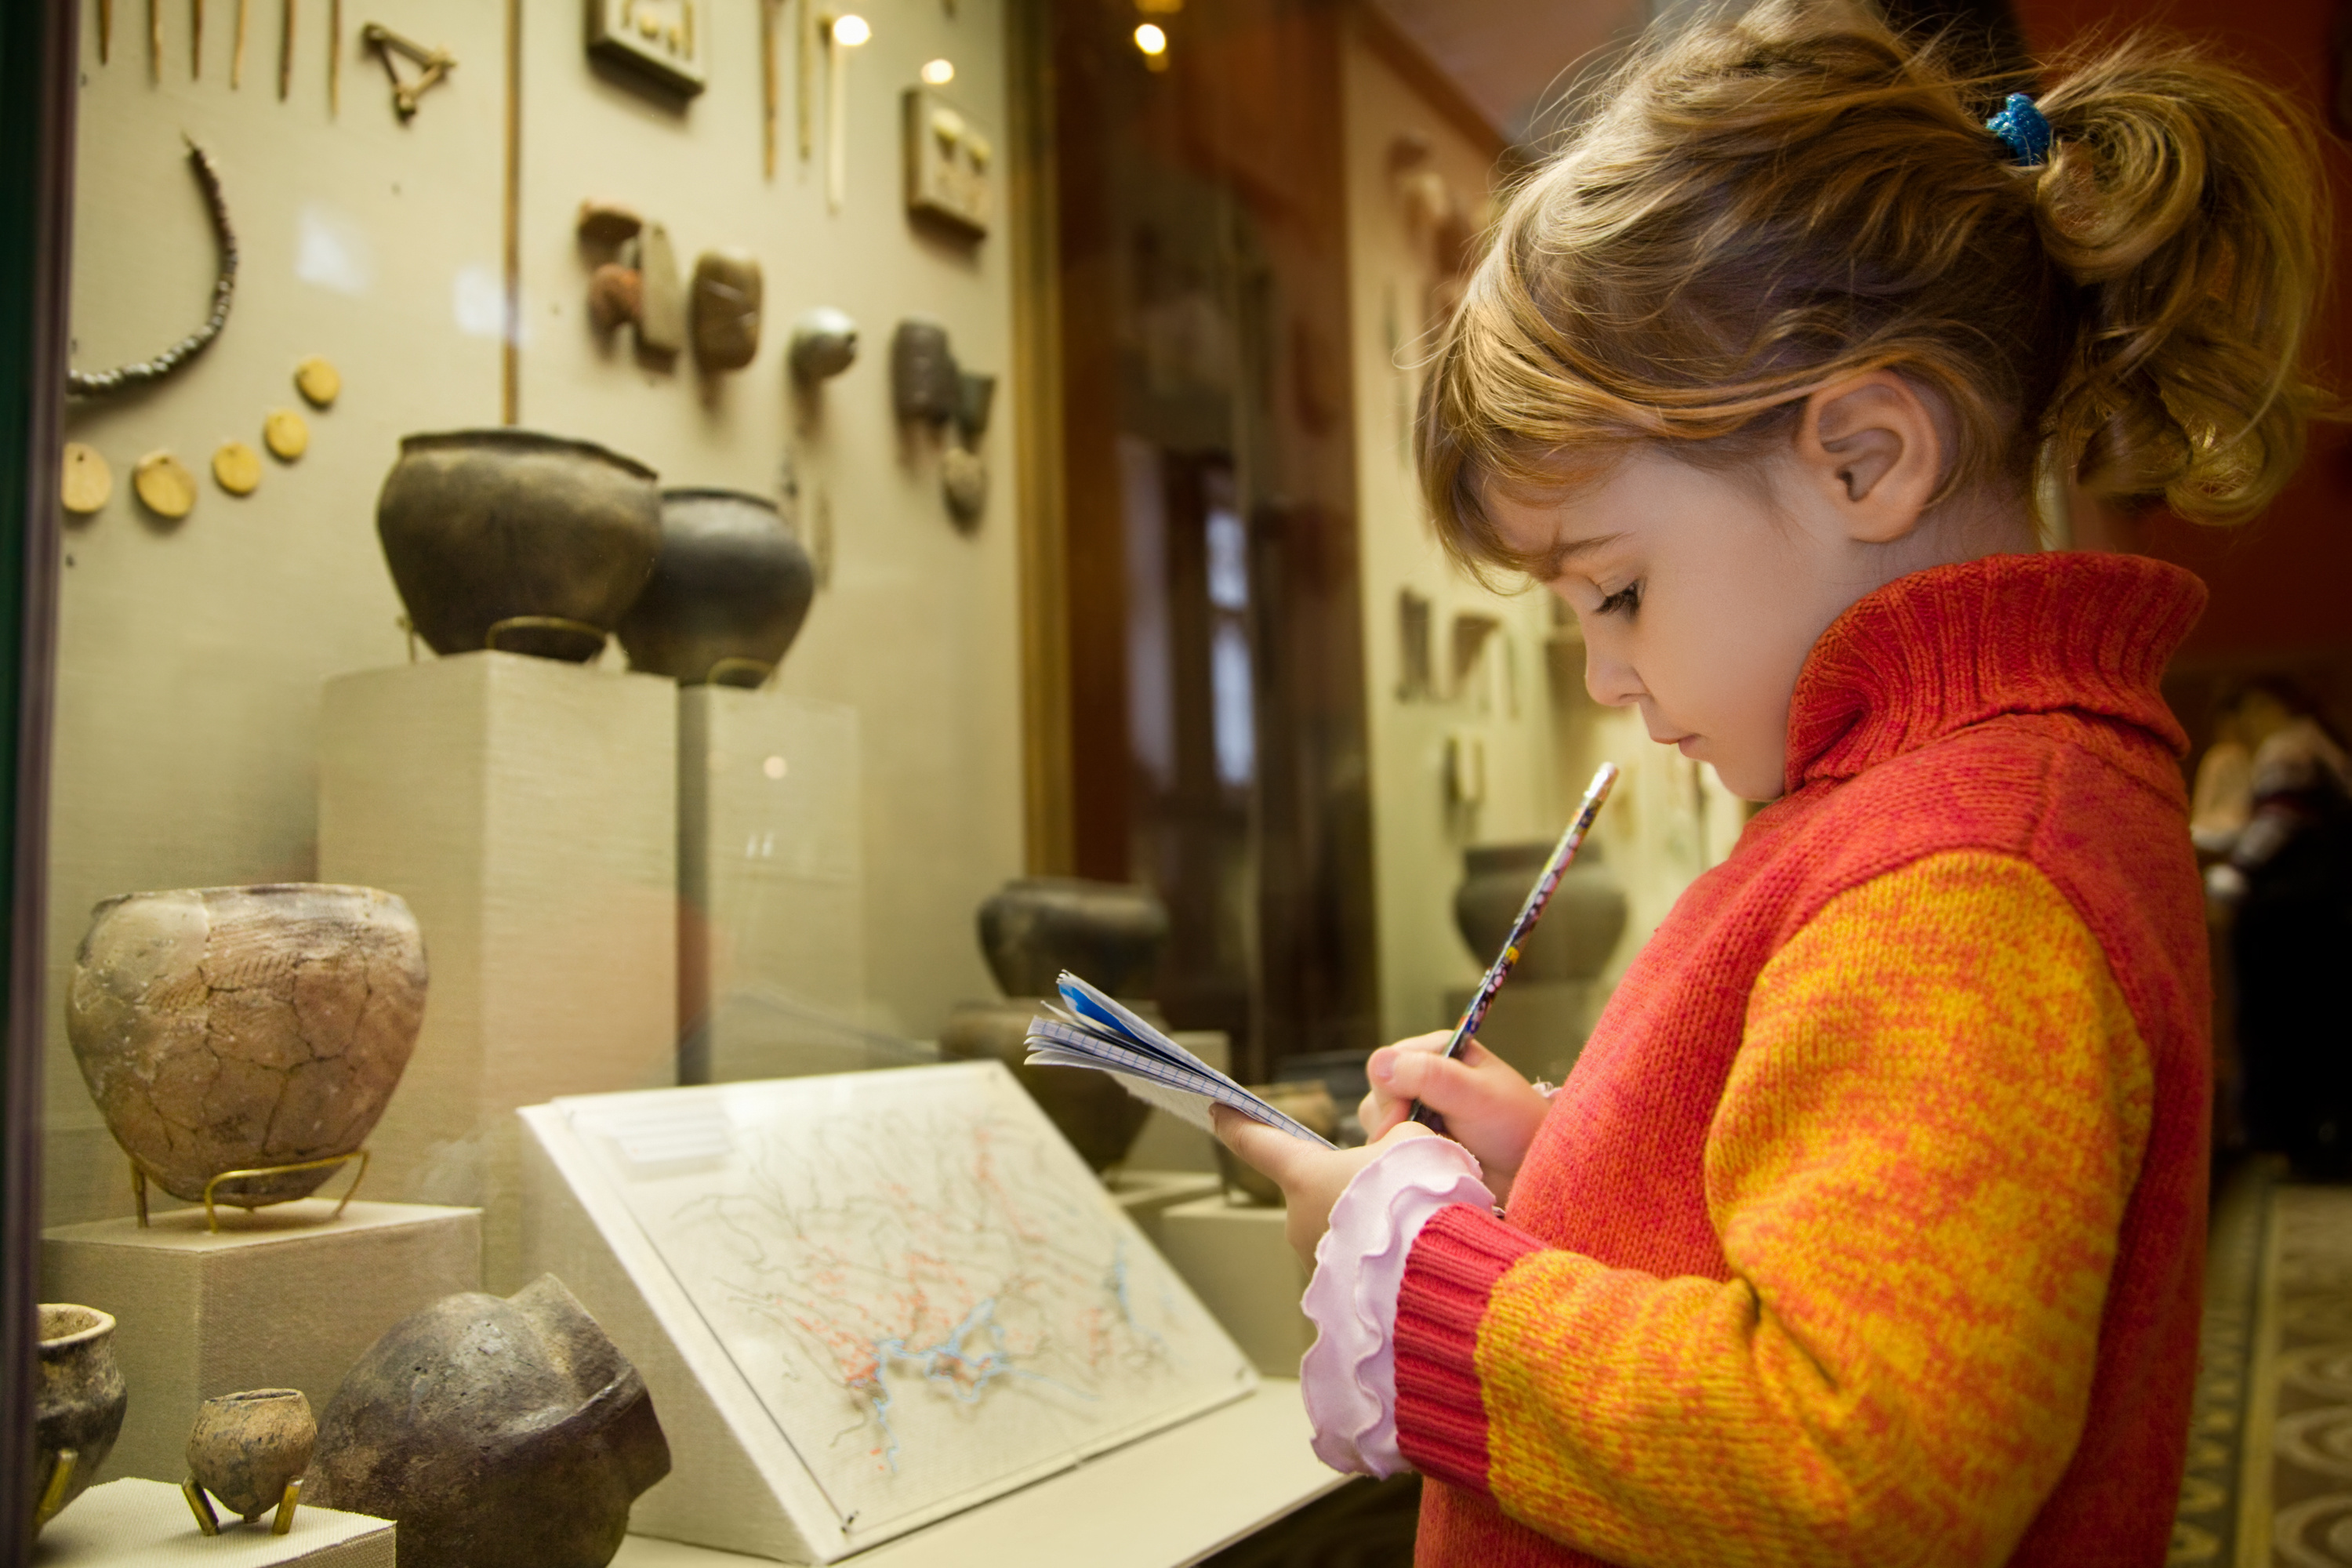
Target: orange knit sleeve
{"x": 1919, "y": 1170}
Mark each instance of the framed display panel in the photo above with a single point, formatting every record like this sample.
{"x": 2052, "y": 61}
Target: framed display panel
{"x": 862, "y": 1302}
{"x": 665, "y": 40}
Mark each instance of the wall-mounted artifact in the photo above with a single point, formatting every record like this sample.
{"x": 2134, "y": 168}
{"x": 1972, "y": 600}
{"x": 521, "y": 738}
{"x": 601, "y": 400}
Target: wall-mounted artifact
{"x": 947, "y": 161}
{"x": 248, "y": 1452}
{"x": 824, "y": 343}
{"x": 975, "y": 397}
{"x": 105, "y": 30}
{"x": 196, "y": 41}
{"x": 963, "y": 480}
{"x": 925, "y": 380}
{"x": 256, "y": 1030}
{"x": 662, "y": 40}
{"x": 87, "y": 483}
{"x": 726, "y": 309}
{"x": 99, "y": 383}
{"x": 727, "y": 595}
{"x": 285, "y": 49}
{"x": 319, "y": 382}
{"x": 498, "y": 1434}
{"x": 236, "y": 469}
{"x": 844, "y": 34}
{"x": 286, "y": 432}
{"x": 77, "y": 1405}
{"x": 164, "y": 486}
{"x": 237, "y": 53}
{"x": 431, "y": 65}
{"x": 1580, "y": 928}
{"x": 642, "y": 287}
{"x": 514, "y": 540}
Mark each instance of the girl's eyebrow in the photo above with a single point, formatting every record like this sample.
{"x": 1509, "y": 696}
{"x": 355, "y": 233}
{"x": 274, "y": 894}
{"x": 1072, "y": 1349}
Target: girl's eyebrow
{"x": 1555, "y": 560}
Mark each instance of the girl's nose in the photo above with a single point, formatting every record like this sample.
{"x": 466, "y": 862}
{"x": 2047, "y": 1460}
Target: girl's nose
{"x": 1611, "y": 680}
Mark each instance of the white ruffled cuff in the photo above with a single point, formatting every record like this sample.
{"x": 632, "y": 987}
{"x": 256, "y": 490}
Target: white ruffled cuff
{"x": 1348, "y": 1375}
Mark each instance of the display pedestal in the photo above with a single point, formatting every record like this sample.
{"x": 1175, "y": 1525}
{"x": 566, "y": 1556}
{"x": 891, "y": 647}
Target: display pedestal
{"x": 772, "y": 887}
{"x": 1239, "y": 1263}
{"x": 527, "y": 810}
{"x": 1148, "y": 1196}
{"x": 1537, "y": 1026}
{"x": 148, "y": 1523}
{"x": 285, "y": 1296}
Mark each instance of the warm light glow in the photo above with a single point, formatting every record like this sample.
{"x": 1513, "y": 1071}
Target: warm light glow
{"x": 851, "y": 30}
{"x": 774, "y": 767}
{"x": 939, "y": 73}
{"x": 1150, "y": 39}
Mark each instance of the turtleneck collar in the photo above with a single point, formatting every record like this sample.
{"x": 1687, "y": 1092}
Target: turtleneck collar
{"x": 1939, "y": 650}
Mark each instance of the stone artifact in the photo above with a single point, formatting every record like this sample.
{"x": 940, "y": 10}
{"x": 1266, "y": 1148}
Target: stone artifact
{"x": 164, "y": 486}
{"x": 1580, "y": 927}
{"x": 925, "y": 381}
{"x": 824, "y": 343}
{"x": 964, "y": 479}
{"x": 430, "y": 67}
{"x": 77, "y": 1405}
{"x": 728, "y": 595}
{"x": 498, "y": 1434}
{"x": 726, "y": 309}
{"x": 233, "y": 1029}
{"x": 1107, "y": 934}
{"x": 319, "y": 382}
{"x": 247, "y": 1448}
{"x": 144, "y": 373}
{"x": 286, "y": 432}
{"x": 236, "y": 468}
{"x": 604, "y": 222}
{"x": 87, "y": 483}
{"x": 515, "y": 539}
{"x": 975, "y": 395}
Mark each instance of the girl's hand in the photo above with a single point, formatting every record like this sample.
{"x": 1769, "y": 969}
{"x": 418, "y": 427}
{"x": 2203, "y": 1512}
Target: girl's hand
{"x": 1311, "y": 1178}
{"x": 1488, "y": 1107}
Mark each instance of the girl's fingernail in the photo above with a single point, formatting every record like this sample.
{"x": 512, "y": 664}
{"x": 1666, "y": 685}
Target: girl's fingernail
{"x": 1380, "y": 1066}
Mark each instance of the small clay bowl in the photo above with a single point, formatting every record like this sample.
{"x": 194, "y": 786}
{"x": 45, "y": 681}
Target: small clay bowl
{"x": 245, "y": 1447}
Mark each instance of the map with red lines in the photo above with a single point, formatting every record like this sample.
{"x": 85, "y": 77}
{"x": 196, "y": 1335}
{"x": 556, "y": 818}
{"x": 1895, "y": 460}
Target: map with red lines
{"x": 930, "y": 1294}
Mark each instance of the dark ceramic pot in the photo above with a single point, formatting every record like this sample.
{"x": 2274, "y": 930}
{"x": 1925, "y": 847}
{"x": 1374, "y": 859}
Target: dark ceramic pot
{"x": 515, "y": 539}
{"x": 498, "y": 1434}
{"x": 1100, "y": 1118}
{"x": 1580, "y": 927}
{"x": 1106, "y": 933}
{"x": 728, "y": 595}
{"x": 77, "y": 1405}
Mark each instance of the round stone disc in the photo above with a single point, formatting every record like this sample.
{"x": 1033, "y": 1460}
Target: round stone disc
{"x": 165, "y": 485}
{"x": 288, "y": 432}
{"x": 237, "y": 466}
{"x": 319, "y": 382}
{"x": 88, "y": 483}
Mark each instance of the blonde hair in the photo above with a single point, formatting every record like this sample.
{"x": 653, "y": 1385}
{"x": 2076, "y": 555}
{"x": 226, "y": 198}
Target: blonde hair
{"x": 1763, "y": 205}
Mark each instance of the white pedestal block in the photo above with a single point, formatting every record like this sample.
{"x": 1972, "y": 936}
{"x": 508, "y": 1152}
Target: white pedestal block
{"x": 1238, "y": 1262}
{"x": 527, "y": 809}
{"x": 148, "y": 1523}
{"x": 283, "y": 1297}
{"x": 1146, "y": 1195}
{"x": 771, "y": 884}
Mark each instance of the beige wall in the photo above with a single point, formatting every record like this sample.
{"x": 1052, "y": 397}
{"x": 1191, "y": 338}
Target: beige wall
{"x": 191, "y": 658}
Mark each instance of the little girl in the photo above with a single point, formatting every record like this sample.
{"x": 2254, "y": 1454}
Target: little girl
{"x": 1869, "y": 1227}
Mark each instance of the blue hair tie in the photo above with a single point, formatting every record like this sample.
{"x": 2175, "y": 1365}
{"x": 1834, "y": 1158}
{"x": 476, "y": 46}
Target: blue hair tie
{"x": 2021, "y": 125}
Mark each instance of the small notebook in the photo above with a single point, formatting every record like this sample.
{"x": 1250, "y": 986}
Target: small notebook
{"x": 1090, "y": 1030}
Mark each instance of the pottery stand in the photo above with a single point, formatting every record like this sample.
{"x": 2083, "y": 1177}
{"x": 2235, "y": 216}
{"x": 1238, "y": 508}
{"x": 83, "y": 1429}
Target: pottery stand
{"x": 772, "y": 886}
{"x": 527, "y": 810}
{"x": 148, "y": 1523}
{"x": 278, "y": 1298}
{"x": 1240, "y": 1263}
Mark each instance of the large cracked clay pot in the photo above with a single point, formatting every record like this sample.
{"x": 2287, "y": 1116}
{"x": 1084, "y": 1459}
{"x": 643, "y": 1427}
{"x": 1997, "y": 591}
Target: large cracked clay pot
{"x": 228, "y": 1028}
{"x": 499, "y": 1433}
{"x": 77, "y": 1405}
{"x": 530, "y": 542}
{"x": 727, "y": 595}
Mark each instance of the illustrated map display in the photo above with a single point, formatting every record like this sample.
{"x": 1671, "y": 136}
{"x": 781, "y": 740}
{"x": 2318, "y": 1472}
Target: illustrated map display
{"x": 927, "y": 1290}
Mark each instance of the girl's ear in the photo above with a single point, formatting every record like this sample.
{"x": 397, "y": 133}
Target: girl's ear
{"x": 1871, "y": 451}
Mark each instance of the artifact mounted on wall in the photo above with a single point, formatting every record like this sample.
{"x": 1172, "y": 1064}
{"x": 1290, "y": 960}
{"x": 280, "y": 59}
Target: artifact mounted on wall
{"x": 726, "y": 309}
{"x": 433, "y": 65}
{"x": 641, "y": 287}
{"x": 662, "y": 40}
{"x": 143, "y": 373}
{"x": 926, "y": 383}
{"x": 947, "y": 161}
{"x": 824, "y": 343}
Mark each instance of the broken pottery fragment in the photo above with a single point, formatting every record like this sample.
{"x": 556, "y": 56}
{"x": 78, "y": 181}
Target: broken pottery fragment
{"x": 229, "y": 1028}
{"x": 245, "y": 1447}
{"x": 498, "y": 1434}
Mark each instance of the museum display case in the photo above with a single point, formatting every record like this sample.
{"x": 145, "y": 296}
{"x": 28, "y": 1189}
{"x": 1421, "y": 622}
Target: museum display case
{"x": 610, "y": 599}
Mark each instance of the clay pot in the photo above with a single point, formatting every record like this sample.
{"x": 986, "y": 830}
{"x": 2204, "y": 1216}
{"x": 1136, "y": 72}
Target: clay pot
{"x": 824, "y": 343}
{"x": 77, "y": 1404}
{"x": 1580, "y": 927}
{"x": 245, "y": 1447}
{"x": 727, "y": 595}
{"x": 227, "y": 1028}
{"x": 1100, "y": 1118}
{"x": 499, "y": 1433}
{"x": 533, "y": 544}
{"x": 1106, "y": 933}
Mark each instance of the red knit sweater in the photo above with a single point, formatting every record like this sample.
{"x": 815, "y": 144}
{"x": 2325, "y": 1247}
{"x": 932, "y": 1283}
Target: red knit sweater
{"x": 1991, "y": 725}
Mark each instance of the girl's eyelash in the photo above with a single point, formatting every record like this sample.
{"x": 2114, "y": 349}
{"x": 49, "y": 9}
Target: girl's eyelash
{"x": 1624, "y": 600}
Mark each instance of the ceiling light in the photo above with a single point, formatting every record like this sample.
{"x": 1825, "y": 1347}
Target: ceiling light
{"x": 1150, "y": 39}
{"x": 939, "y": 73}
{"x": 851, "y": 30}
